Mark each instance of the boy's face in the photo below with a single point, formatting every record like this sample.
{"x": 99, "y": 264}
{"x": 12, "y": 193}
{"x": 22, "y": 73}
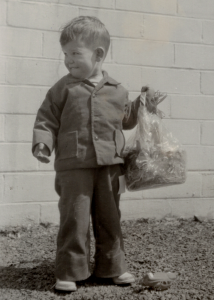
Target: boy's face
{"x": 80, "y": 60}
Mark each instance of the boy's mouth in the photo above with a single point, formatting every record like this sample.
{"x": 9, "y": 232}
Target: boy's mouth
{"x": 71, "y": 69}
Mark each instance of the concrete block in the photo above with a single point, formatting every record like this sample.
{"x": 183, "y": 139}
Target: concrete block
{"x": 2, "y": 70}
{"x": 142, "y": 52}
{"x": 200, "y": 158}
{"x": 208, "y": 185}
{"x": 49, "y": 213}
{"x": 19, "y": 214}
{"x": 190, "y": 189}
{"x": 207, "y": 86}
{"x": 32, "y": 69}
{"x": 172, "y": 80}
{"x": 185, "y": 208}
{"x": 19, "y": 128}
{"x": 19, "y": 99}
{"x": 196, "y": 8}
{"x": 128, "y": 76}
{"x": 204, "y": 208}
{"x": 1, "y": 188}
{"x": 207, "y": 130}
{"x": 2, "y": 128}
{"x": 194, "y": 57}
{"x": 16, "y": 157}
{"x": 208, "y": 36}
{"x": 182, "y": 207}
{"x": 192, "y": 107}
{"x": 185, "y": 131}
{"x": 20, "y": 42}
{"x": 51, "y": 45}
{"x": 3, "y": 12}
{"x": 89, "y": 3}
{"x": 43, "y": 92}
{"x": 29, "y": 187}
{"x": 152, "y": 6}
{"x": 39, "y": 15}
{"x": 172, "y": 29}
{"x": 118, "y": 23}
{"x": 144, "y": 209}
{"x": 92, "y": 3}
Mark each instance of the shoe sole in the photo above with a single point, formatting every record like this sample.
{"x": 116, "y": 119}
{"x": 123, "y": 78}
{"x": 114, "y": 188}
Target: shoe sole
{"x": 124, "y": 281}
{"x": 65, "y": 289}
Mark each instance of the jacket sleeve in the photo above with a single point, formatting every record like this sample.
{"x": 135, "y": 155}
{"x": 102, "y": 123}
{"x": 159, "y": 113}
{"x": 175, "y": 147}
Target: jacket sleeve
{"x": 47, "y": 123}
{"x": 131, "y": 113}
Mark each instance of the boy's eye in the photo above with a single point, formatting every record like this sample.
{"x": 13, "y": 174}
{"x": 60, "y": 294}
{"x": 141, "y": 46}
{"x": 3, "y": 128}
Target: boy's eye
{"x": 74, "y": 53}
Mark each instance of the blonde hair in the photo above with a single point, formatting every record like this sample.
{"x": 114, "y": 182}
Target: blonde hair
{"x": 89, "y": 29}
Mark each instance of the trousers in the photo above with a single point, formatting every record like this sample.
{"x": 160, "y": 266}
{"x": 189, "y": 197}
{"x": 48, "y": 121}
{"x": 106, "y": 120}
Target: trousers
{"x": 84, "y": 193}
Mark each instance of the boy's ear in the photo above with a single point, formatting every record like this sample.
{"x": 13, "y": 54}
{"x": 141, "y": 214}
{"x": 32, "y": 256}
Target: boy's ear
{"x": 100, "y": 53}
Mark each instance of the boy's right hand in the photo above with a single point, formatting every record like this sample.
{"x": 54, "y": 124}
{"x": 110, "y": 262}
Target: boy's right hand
{"x": 41, "y": 152}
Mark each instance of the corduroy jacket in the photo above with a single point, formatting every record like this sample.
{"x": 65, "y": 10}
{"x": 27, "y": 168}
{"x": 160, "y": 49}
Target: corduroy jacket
{"x": 84, "y": 122}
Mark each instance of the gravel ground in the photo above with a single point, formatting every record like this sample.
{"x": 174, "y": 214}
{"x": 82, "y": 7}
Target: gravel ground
{"x": 176, "y": 245}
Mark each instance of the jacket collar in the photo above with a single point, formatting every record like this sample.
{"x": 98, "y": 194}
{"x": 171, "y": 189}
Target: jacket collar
{"x": 106, "y": 79}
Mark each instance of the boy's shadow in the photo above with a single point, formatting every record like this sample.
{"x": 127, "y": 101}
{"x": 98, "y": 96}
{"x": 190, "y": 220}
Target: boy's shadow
{"x": 39, "y": 277}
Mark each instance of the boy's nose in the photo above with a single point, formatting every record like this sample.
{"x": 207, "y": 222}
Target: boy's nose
{"x": 69, "y": 61}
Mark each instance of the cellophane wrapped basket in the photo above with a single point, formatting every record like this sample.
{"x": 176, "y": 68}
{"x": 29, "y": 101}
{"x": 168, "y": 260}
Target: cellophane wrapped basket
{"x": 153, "y": 156}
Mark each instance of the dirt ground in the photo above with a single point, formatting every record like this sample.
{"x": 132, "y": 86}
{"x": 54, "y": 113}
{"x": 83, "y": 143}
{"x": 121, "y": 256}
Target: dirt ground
{"x": 176, "y": 245}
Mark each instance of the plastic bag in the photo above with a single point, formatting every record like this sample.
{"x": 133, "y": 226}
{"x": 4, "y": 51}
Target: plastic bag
{"x": 153, "y": 156}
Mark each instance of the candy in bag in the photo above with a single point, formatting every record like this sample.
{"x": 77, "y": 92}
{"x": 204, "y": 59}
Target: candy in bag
{"x": 153, "y": 156}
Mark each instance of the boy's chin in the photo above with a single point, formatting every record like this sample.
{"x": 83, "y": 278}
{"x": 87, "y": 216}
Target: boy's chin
{"x": 76, "y": 76}
{"x": 79, "y": 77}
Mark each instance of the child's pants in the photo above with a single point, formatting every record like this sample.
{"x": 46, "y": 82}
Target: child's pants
{"x": 83, "y": 192}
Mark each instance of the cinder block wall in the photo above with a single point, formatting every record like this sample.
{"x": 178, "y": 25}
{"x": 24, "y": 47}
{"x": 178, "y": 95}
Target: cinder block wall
{"x": 168, "y": 44}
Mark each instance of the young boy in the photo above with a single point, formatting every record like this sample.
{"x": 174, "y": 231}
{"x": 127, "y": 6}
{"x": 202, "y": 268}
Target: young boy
{"x": 82, "y": 118}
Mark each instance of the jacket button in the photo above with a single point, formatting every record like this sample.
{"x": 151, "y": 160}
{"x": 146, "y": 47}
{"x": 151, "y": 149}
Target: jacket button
{"x": 96, "y": 138}
{"x": 93, "y": 95}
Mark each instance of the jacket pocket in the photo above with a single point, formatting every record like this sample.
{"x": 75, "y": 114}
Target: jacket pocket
{"x": 68, "y": 145}
{"x": 119, "y": 142}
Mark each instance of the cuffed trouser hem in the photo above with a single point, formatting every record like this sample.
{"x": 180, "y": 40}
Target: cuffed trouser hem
{"x": 116, "y": 266}
{"x": 68, "y": 277}
{"x": 73, "y": 270}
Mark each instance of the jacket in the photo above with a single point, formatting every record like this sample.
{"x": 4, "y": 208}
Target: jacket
{"x": 84, "y": 123}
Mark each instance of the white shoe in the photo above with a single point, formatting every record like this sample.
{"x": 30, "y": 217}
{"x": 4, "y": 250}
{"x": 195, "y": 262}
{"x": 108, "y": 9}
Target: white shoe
{"x": 69, "y": 286}
{"x": 125, "y": 278}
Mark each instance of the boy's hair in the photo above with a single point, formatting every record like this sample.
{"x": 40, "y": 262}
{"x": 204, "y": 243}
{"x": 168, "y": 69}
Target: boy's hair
{"x": 90, "y": 29}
